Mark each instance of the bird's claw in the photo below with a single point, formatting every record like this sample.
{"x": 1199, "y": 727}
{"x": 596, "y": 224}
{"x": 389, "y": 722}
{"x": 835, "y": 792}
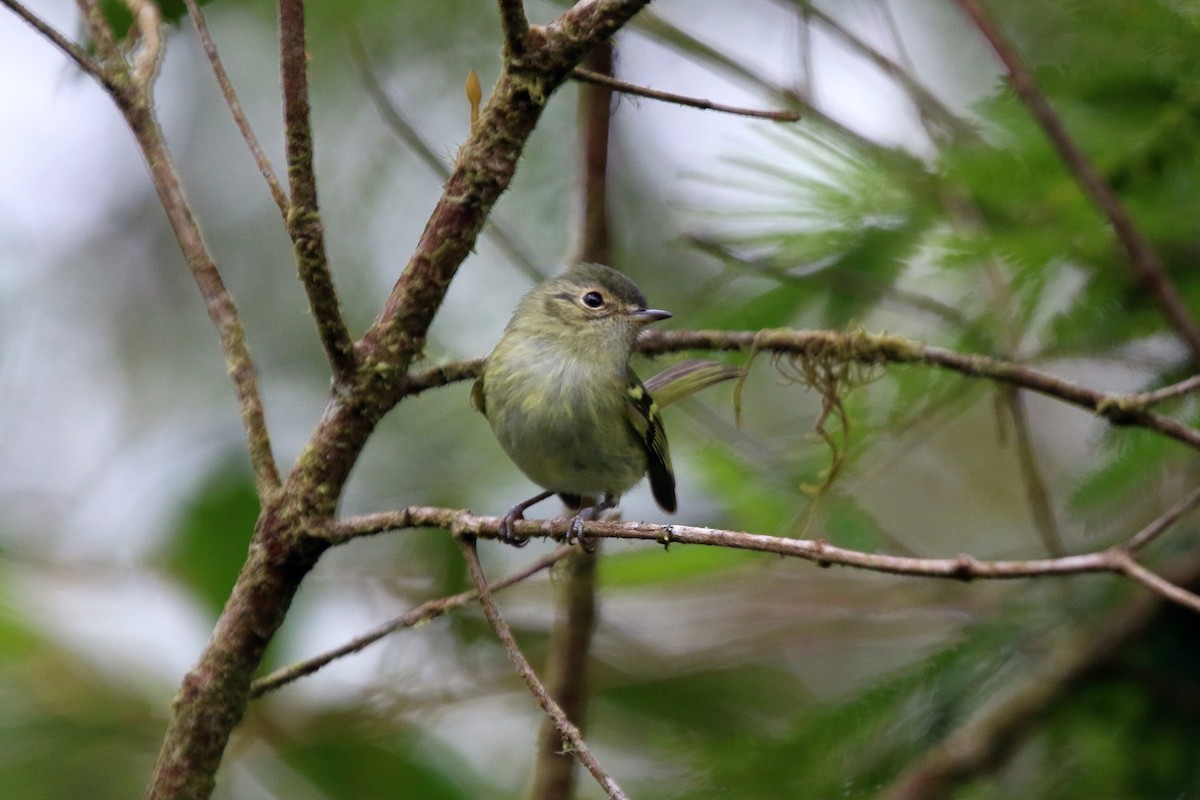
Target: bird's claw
{"x": 507, "y": 534}
{"x": 575, "y": 532}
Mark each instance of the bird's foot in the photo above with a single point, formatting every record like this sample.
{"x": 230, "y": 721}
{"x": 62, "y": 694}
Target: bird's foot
{"x": 575, "y": 532}
{"x": 507, "y": 534}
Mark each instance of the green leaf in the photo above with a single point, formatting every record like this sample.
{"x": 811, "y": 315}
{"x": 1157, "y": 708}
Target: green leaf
{"x": 214, "y": 533}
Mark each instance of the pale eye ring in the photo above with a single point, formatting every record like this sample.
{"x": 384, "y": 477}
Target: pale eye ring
{"x": 593, "y": 300}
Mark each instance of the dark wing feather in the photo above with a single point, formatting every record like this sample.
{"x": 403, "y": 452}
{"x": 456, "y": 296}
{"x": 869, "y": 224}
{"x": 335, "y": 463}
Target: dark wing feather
{"x": 648, "y": 427}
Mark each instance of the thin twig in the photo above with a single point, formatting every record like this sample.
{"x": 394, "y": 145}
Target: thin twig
{"x": 104, "y": 42}
{"x": 1142, "y": 256}
{"x": 1154, "y": 582}
{"x": 235, "y": 107}
{"x": 569, "y": 732}
{"x": 148, "y": 58}
{"x": 69, "y": 48}
{"x": 1163, "y": 522}
{"x": 655, "y": 26}
{"x": 588, "y": 76}
{"x": 1180, "y": 389}
{"x": 517, "y": 252}
{"x": 818, "y": 551}
{"x": 303, "y": 217}
{"x": 428, "y": 610}
{"x": 926, "y": 102}
{"x": 1036, "y": 492}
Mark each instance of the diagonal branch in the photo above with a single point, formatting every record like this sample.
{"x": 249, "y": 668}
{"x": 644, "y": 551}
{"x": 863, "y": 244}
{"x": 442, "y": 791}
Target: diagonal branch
{"x": 133, "y": 96}
{"x": 588, "y": 76}
{"x": 568, "y": 730}
{"x": 1036, "y": 491}
{"x": 235, "y": 107}
{"x": 303, "y": 218}
{"x": 69, "y": 48}
{"x": 1142, "y": 256}
{"x": 484, "y": 167}
{"x": 1180, "y": 389}
{"x": 431, "y": 609}
{"x": 1163, "y": 522}
{"x": 670, "y": 35}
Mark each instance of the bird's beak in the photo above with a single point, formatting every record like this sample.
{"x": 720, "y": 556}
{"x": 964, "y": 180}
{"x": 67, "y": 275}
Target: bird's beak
{"x": 644, "y": 316}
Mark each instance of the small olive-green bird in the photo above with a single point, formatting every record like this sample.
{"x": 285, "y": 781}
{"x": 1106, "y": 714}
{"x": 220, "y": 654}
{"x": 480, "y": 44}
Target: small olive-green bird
{"x": 564, "y": 403}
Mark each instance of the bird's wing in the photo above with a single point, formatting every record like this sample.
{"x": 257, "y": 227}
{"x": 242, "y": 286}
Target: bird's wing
{"x": 647, "y": 424}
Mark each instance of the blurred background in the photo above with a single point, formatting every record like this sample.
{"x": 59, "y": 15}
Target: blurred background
{"x": 915, "y": 197}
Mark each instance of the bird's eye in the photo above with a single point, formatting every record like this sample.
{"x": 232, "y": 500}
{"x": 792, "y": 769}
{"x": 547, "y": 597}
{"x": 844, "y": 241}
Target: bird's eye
{"x": 593, "y": 299}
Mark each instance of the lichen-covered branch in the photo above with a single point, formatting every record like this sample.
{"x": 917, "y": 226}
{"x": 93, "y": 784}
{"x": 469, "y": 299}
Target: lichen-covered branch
{"x": 303, "y": 217}
{"x": 867, "y": 348}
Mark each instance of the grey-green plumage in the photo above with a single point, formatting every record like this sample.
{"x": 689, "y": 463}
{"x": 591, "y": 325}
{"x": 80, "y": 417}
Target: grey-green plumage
{"x": 563, "y": 401}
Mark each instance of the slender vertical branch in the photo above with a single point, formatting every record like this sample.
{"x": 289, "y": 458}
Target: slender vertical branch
{"x": 303, "y": 218}
{"x": 102, "y": 39}
{"x": 566, "y": 675}
{"x": 516, "y": 28}
{"x": 576, "y": 607}
{"x": 235, "y": 107}
{"x": 565, "y": 727}
{"x": 594, "y": 114}
{"x": 1142, "y": 257}
{"x": 1038, "y": 495}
